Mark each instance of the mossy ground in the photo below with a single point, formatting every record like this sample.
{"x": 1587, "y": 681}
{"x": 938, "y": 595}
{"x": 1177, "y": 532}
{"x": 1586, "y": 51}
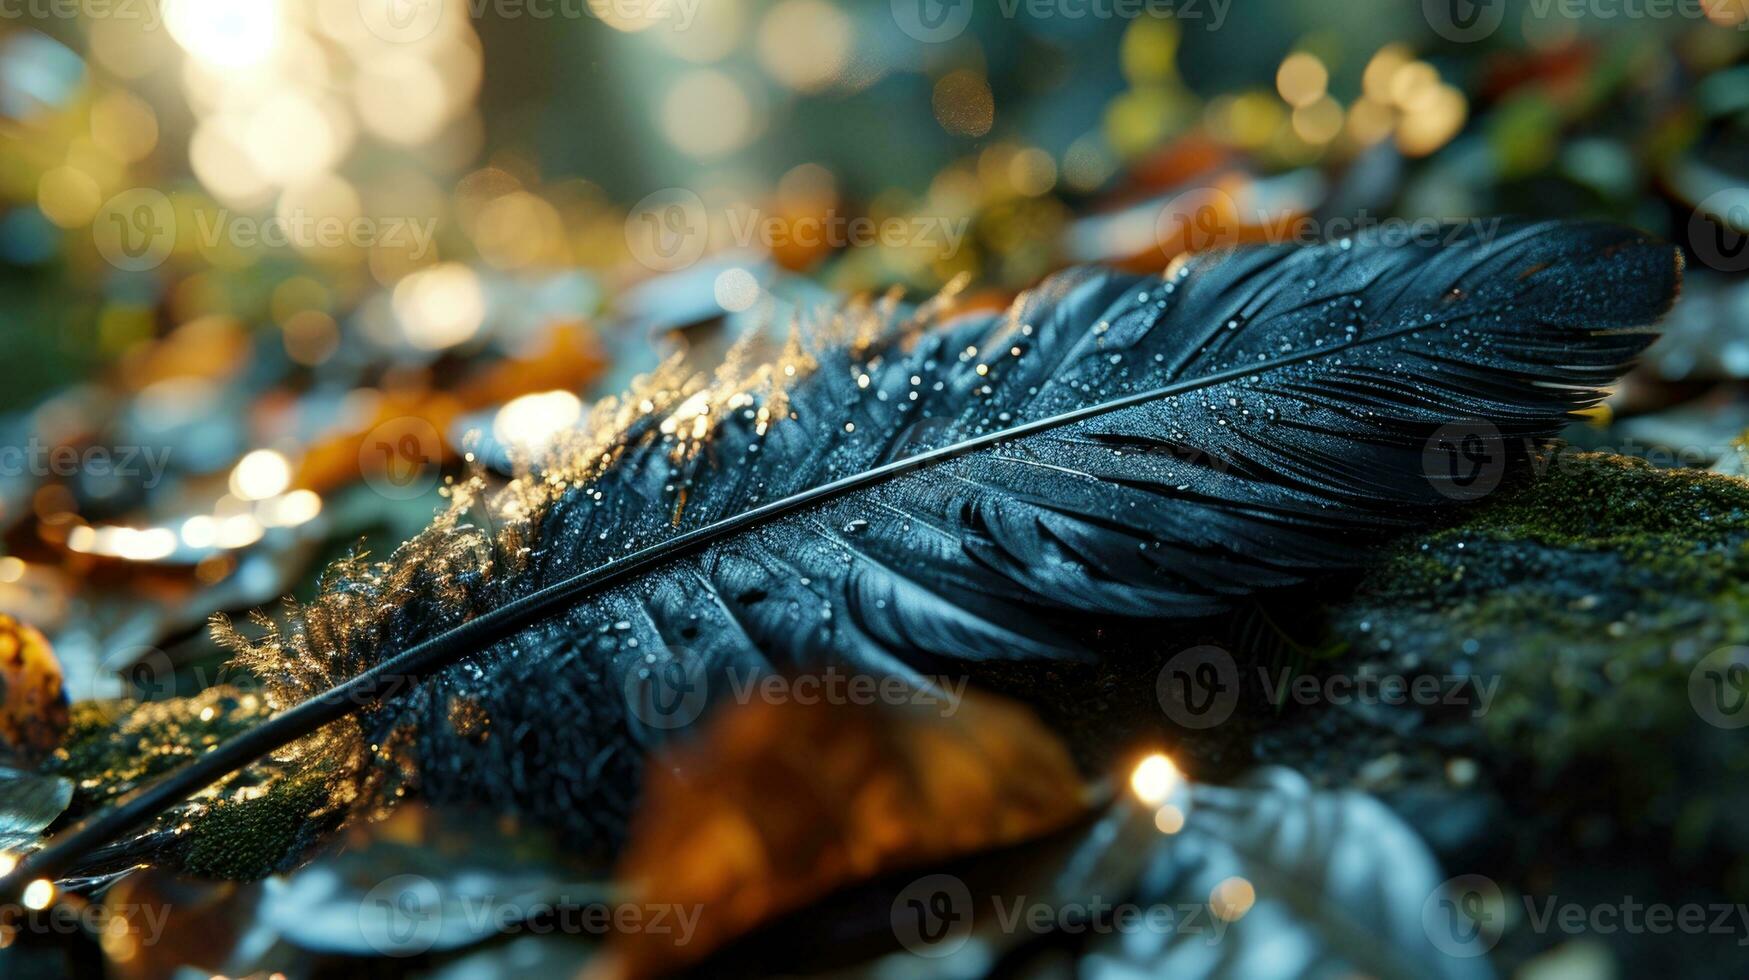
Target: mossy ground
{"x": 1592, "y": 594}
{"x": 114, "y": 747}
{"x": 244, "y": 837}
{"x": 254, "y": 823}
{"x": 1587, "y": 597}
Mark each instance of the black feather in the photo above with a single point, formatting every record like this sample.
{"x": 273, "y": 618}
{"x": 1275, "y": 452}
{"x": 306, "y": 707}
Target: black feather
{"x": 1111, "y": 446}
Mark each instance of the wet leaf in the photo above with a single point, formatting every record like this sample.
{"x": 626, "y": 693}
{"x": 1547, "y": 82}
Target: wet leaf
{"x": 777, "y": 804}
{"x": 1307, "y": 883}
{"x": 1267, "y": 877}
{"x": 422, "y": 881}
{"x": 157, "y": 923}
{"x": 28, "y": 804}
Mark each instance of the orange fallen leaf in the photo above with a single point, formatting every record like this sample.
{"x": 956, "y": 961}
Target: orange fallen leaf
{"x": 565, "y": 358}
{"x": 156, "y": 924}
{"x": 776, "y": 805}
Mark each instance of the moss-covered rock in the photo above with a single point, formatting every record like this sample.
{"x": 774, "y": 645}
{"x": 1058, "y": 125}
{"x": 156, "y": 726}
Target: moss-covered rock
{"x": 1591, "y": 594}
{"x": 1585, "y": 600}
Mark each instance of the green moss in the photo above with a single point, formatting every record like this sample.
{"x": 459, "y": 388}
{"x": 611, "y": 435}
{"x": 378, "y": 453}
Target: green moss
{"x": 248, "y": 836}
{"x": 1589, "y": 597}
{"x": 1675, "y": 528}
{"x": 262, "y": 820}
{"x": 113, "y": 747}
{"x": 1596, "y": 500}
{"x": 1591, "y": 593}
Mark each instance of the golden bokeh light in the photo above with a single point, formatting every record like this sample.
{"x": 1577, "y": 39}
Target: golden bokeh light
{"x": 1231, "y": 898}
{"x": 218, "y": 153}
{"x": 282, "y": 92}
{"x": 529, "y": 424}
{"x": 1376, "y": 80}
{"x": 1369, "y": 122}
{"x": 462, "y": 65}
{"x": 1150, "y": 50}
{"x": 440, "y": 307}
{"x": 68, "y": 197}
{"x": 1169, "y": 819}
{"x": 805, "y": 44}
{"x": 628, "y": 17}
{"x": 518, "y": 230}
{"x": 736, "y": 290}
{"x": 807, "y": 186}
{"x": 1032, "y": 171}
{"x": 85, "y": 154}
{"x": 401, "y": 99}
{"x": 310, "y": 337}
{"x": 964, "y": 104}
{"x": 293, "y": 509}
{"x": 238, "y": 531}
{"x": 715, "y": 32}
{"x": 706, "y": 113}
{"x": 1155, "y": 779}
{"x": 1318, "y": 122}
{"x": 1411, "y": 82}
{"x": 1249, "y": 120}
{"x": 225, "y": 32}
{"x": 129, "y": 47}
{"x": 317, "y": 215}
{"x": 39, "y": 894}
{"x": 124, "y": 125}
{"x": 294, "y": 136}
{"x": 260, "y": 474}
{"x": 1087, "y": 164}
{"x": 127, "y": 543}
{"x": 1139, "y": 119}
{"x": 1301, "y": 79}
{"x": 1437, "y": 116}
